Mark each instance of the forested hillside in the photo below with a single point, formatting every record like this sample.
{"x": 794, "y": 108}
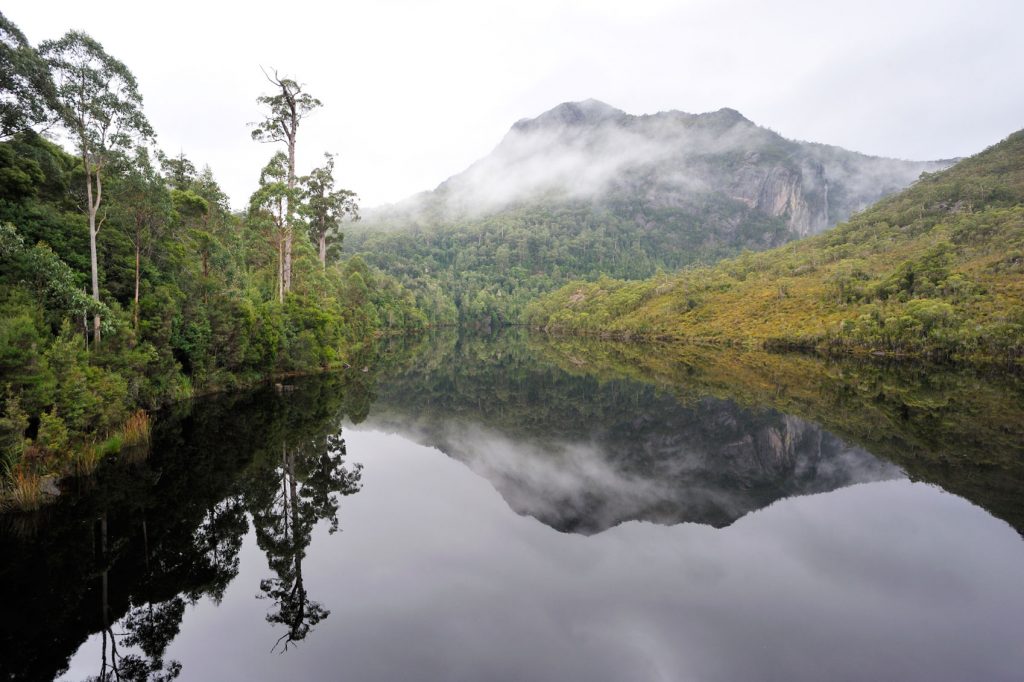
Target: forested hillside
{"x": 125, "y": 280}
{"x": 936, "y": 270}
{"x": 585, "y": 189}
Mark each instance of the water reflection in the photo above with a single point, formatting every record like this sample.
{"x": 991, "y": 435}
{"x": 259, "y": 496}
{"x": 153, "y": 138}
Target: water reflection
{"x": 708, "y": 463}
{"x": 567, "y": 435}
{"x": 302, "y": 489}
{"x": 123, "y": 554}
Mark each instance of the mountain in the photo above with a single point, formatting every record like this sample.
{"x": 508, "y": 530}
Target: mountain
{"x": 586, "y": 189}
{"x": 935, "y": 270}
{"x": 673, "y": 160}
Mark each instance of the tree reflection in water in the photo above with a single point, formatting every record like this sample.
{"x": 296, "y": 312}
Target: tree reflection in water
{"x": 112, "y": 565}
{"x": 310, "y": 478}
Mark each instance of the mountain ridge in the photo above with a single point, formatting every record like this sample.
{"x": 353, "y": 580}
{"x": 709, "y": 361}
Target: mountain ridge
{"x": 777, "y": 192}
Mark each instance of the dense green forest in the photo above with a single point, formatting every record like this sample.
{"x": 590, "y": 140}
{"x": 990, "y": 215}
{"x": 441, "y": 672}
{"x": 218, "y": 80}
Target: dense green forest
{"x": 937, "y": 270}
{"x": 485, "y": 269}
{"x": 126, "y": 282}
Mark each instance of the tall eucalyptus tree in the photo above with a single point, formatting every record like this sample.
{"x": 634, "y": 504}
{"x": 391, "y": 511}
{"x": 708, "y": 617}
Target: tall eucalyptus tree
{"x": 101, "y": 109}
{"x": 287, "y": 107}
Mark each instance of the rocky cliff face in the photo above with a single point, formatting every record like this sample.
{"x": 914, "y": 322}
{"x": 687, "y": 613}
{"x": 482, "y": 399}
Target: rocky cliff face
{"x": 800, "y": 195}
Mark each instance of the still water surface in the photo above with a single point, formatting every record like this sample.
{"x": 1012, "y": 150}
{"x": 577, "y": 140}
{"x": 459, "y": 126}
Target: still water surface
{"x": 482, "y": 512}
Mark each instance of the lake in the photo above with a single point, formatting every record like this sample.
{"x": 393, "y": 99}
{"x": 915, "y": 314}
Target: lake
{"x": 507, "y": 507}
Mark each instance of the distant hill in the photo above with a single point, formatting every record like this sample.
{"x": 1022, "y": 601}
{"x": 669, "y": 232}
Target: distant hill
{"x": 935, "y": 270}
{"x": 586, "y": 189}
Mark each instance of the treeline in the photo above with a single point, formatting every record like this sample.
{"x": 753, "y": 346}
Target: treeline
{"x": 936, "y": 271}
{"x": 127, "y": 282}
{"x": 486, "y": 268}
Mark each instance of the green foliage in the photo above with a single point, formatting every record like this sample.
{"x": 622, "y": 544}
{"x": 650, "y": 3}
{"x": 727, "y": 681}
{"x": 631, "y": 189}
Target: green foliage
{"x": 13, "y": 427}
{"x": 98, "y": 96}
{"x": 52, "y": 437}
{"x": 45, "y": 273}
{"x": 920, "y": 277}
{"x": 286, "y": 108}
{"x": 91, "y": 399}
{"x": 26, "y": 89}
{"x": 325, "y": 208}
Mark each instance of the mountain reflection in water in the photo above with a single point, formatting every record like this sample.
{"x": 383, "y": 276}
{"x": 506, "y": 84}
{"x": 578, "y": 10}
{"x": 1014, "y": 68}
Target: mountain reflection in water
{"x": 243, "y": 489}
{"x": 708, "y": 463}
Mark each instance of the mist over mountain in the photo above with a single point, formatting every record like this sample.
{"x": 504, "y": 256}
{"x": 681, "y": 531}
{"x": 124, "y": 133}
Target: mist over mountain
{"x": 585, "y": 190}
{"x": 670, "y": 160}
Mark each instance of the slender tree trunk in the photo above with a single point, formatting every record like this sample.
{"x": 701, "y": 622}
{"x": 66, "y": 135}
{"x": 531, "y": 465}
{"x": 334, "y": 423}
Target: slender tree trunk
{"x": 322, "y": 242}
{"x": 288, "y": 258}
{"x": 288, "y": 218}
{"x": 293, "y": 488}
{"x": 93, "y": 259}
{"x": 135, "y": 310}
{"x": 145, "y": 542}
{"x": 280, "y": 268}
{"x": 284, "y": 490}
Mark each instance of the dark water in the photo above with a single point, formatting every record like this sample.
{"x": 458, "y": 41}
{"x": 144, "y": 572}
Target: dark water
{"x": 481, "y": 509}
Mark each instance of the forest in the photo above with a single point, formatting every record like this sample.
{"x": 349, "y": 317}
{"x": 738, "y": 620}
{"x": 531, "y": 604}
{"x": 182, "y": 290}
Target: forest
{"x": 127, "y": 283}
{"x": 486, "y": 268}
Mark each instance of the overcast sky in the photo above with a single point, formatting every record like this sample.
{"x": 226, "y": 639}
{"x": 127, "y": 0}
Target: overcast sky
{"x": 415, "y": 91}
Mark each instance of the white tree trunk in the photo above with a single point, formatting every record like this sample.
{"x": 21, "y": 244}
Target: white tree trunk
{"x": 288, "y": 218}
{"x": 93, "y": 231}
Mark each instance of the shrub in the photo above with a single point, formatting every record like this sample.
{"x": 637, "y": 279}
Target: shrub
{"x": 52, "y": 438}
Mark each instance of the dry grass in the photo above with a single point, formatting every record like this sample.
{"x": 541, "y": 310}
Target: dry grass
{"x": 136, "y": 430}
{"x": 26, "y": 492}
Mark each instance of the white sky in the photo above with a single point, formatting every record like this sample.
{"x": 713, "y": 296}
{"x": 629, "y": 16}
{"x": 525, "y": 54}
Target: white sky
{"x": 415, "y": 91}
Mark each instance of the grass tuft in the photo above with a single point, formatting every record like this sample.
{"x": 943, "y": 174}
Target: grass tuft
{"x": 26, "y": 493}
{"x": 136, "y": 430}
